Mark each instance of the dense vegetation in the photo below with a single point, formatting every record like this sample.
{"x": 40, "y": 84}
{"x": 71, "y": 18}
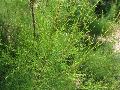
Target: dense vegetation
{"x": 65, "y": 52}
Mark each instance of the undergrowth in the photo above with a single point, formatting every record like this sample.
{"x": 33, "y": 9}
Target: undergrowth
{"x": 65, "y": 53}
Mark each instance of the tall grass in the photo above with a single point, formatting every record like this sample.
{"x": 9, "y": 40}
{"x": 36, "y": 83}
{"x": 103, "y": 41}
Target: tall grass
{"x": 65, "y": 55}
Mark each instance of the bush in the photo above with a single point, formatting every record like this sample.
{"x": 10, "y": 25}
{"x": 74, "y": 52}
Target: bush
{"x": 65, "y": 45}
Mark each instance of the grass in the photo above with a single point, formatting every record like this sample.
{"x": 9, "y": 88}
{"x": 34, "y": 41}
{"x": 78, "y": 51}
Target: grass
{"x": 65, "y": 46}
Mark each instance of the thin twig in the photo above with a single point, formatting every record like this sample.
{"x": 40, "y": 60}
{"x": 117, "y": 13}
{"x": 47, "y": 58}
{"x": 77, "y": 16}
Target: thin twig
{"x": 33, "y": 15}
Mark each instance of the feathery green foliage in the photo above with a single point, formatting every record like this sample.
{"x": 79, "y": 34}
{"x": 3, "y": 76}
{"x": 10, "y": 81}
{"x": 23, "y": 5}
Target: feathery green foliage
{"x": 66, "y": 53}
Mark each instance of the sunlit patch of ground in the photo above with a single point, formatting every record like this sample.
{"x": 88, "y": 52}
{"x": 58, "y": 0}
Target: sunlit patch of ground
{"x": 113, "y": 38}
{"x": 116, "y": 45}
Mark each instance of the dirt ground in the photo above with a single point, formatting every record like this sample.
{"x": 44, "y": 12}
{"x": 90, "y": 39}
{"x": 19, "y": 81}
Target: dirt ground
{"x": 116, "y": 39}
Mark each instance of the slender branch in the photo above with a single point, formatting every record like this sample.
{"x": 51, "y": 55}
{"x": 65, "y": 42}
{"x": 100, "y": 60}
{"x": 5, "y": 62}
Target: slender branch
{"x": 33, "y": 16}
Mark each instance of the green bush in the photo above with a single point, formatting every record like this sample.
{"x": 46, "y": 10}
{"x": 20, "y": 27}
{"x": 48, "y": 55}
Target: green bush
{"x": 65, "y": 45}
